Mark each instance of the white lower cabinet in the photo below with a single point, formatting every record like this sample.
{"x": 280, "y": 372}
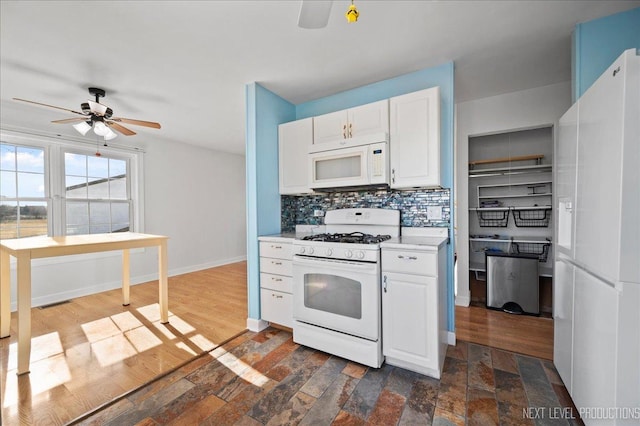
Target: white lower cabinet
{"x": 414, "y": 323}
{"x": 275, "y": 282}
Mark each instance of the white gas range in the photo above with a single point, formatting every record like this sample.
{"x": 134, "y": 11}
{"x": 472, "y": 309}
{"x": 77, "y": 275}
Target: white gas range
{"x": 336, "y": 284}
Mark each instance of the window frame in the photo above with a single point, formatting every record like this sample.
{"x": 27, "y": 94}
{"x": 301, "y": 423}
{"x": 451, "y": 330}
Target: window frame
{"x": 54, "y": 170}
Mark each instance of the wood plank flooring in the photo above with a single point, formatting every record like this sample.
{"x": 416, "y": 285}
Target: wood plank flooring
{"x": 91, "y": 350}
{"x": 524, "y": 334}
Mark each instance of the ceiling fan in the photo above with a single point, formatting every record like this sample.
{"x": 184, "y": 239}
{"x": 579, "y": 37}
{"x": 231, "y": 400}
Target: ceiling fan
{"x": 314, "y": 14}
{"x": 97, "y": 116}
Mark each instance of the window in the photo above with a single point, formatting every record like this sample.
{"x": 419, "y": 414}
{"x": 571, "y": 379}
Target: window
{"x": 24, "y": 205}
{"x": 48, "y": 187}
{"x": 96, "y": 194}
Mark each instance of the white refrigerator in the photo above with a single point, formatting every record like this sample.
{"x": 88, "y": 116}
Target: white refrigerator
{"x": 597, "y": 253}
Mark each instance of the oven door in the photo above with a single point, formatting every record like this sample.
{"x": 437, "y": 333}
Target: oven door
{"x": 339, "y": 295}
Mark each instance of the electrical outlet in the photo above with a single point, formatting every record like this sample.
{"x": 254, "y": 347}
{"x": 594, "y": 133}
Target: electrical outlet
{"x": 434, "y": 212}
{"x": 318, "y": 213}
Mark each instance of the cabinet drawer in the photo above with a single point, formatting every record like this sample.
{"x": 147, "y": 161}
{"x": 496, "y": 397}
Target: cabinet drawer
{"x": 410, "y": 262}
{"x": 276, "y": 282}
{"x": 276, "y": 266}
{"x": 276, "y": 307}
{"x": 277, "y": 250}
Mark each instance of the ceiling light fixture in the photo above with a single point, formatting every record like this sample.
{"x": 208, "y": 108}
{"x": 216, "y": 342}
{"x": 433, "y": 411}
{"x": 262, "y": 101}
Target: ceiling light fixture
{"x": 352, "y": 13}
{"x": 99, "y": 128}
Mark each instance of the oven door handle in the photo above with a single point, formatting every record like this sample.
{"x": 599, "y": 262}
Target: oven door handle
{"x": 335, "y": 264}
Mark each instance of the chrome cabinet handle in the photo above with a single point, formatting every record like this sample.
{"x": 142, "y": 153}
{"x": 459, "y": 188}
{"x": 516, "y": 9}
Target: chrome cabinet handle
{"x": 276, "y": 263}
{"x": 407, "y": 257}
{"x": 277, "y": 296}
{"x": 350, "y": 130}
{"x": 384, "y": 287}
{"x": 393, "y": 175}
{"x": 275, "y": 247}
{"x": 344, "y": 131}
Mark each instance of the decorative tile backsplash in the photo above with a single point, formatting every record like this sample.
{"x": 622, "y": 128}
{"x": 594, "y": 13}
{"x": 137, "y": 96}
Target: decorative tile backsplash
{"x": 298, "y": 210}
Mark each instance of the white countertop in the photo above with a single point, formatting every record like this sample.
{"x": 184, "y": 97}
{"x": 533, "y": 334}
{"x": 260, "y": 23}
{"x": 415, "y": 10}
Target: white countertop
{"x": 285, "y": 237}
{"x": 415, "y": 242}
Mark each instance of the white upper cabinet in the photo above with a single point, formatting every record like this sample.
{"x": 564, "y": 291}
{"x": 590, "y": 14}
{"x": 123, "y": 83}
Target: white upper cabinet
{"x": 415, "y": 139}
{"x": 294, "y": 139}
{"x": 347, "y": 126}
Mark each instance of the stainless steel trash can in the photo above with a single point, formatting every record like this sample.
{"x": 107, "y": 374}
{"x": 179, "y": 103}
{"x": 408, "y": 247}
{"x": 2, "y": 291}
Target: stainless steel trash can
{"x": 512, "y": 283}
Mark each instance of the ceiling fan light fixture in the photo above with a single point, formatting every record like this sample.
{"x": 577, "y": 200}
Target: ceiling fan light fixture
{"x": 110, "y": 135}
{"x": 100, "y": 129}
{"x": 83, "y": 127}
{"x": 352, "y": 13}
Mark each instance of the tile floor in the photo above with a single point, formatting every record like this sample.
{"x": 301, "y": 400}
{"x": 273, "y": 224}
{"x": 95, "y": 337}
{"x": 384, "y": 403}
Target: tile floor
{"x": 266, "y": 379}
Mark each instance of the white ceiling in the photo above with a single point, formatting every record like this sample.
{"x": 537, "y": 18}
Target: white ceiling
{"x": 185, "y": 63}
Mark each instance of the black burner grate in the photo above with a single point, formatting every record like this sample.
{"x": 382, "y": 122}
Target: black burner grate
{"x": 353, "y": 238}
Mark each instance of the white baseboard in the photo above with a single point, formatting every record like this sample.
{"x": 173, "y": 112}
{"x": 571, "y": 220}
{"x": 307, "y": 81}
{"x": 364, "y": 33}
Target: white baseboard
{"x": 463, "y": 301}
{"x": 111, "y": 285}
{"x": 256, "y": 324}
{"x": 451, "y": 338}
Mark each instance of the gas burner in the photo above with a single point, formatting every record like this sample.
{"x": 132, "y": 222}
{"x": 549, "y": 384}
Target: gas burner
{"x": 353, "y": 237}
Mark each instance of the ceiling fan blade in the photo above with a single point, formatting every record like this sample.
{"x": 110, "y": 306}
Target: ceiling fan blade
{"x": 136, "y": 122}
{"x": 314, "y": 13}
{"x": 119, "y": 128}
{"x": 97, "y": 108}
{"x": 71, "y": 120}
{"x": 48, "y": 106}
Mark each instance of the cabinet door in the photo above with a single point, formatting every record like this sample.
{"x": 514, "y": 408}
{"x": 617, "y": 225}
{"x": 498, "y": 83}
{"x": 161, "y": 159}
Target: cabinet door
{"x": 294, "y": 139}
{"x": 410, "y": 319}
{"x": 563, "y": 321}
{"x": 330, "y": 127}
{"x": 415, "y": 139}
{"x": 595, "y": 342}
{"x": 368, "y": 119}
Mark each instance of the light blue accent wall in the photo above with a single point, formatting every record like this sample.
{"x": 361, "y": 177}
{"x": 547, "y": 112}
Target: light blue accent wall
{"x": 597, "y": 43}
{"x": 442, "y": 76}
{"x": 265, "y": 110}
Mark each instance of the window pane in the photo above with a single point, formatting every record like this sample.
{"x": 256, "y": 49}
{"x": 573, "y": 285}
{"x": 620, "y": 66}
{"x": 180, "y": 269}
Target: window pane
{"x": 99, "y": 188}
{"x": 98, "y": 167}
{"x": 120, "y": 227}
{"x": 99, "y": 229}
{"x": 118, "y": 188}
{"x": 30, "y": 185}
{"x": 8, "y": 219}
{"x": 7, "y": 157}
{"x": 120, "y": 213}
{"x": 77, "y": 230}
{"x": 30, "y": 159}
{"x": 117, "y": 167}
{"x": 76, "y": 186}
{"x": 77, "y": 213}
{"x": 32, "y": 219}
{"x": 98, "y": 213}
{"x": 8, "y": 184}
{"x": 75, "y": 164}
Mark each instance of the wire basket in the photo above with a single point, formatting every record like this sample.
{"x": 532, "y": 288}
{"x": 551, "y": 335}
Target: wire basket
{"x": 540, "y": 249}
{"x": 493, "y": 218}
{"x": 532, "y": 218}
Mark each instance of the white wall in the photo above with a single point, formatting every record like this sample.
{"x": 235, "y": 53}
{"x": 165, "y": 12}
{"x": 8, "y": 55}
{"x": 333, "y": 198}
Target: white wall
{"x": 193, "y": 195}
{"x": 526, "y": 109}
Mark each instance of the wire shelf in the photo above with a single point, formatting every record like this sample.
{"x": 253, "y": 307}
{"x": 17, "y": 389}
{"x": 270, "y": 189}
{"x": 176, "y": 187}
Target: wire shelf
{"x": 493, "y": 218}
{"x": 532, "y": 218}
{"x": 540, "y": 249}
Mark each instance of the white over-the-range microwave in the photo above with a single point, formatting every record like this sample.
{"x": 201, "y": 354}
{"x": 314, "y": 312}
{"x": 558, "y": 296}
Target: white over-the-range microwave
{"x": 353, "y": 163}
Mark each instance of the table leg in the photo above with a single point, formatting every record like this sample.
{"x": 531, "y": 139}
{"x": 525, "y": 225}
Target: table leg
{"x": 24, "y": 312}
{"x": 163, "y": 282}
{"x": 5, "y": 294}
{"x": 126, "y": 280}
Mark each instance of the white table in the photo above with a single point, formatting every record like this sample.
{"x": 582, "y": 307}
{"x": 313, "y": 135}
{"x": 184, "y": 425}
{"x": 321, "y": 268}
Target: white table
{"x": 25, "y": 249}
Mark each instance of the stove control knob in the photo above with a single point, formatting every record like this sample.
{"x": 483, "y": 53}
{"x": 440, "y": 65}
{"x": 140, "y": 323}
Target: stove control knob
{"x": 328, "y": 252}
{"x": 301, "y": 250}
{"x": 310, "y": 250}
{"x": 360, "y": 255}
{"x": 348, "y": 253}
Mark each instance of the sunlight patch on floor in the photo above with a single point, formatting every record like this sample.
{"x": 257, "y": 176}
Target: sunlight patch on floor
{"x": 241, "y": 369}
